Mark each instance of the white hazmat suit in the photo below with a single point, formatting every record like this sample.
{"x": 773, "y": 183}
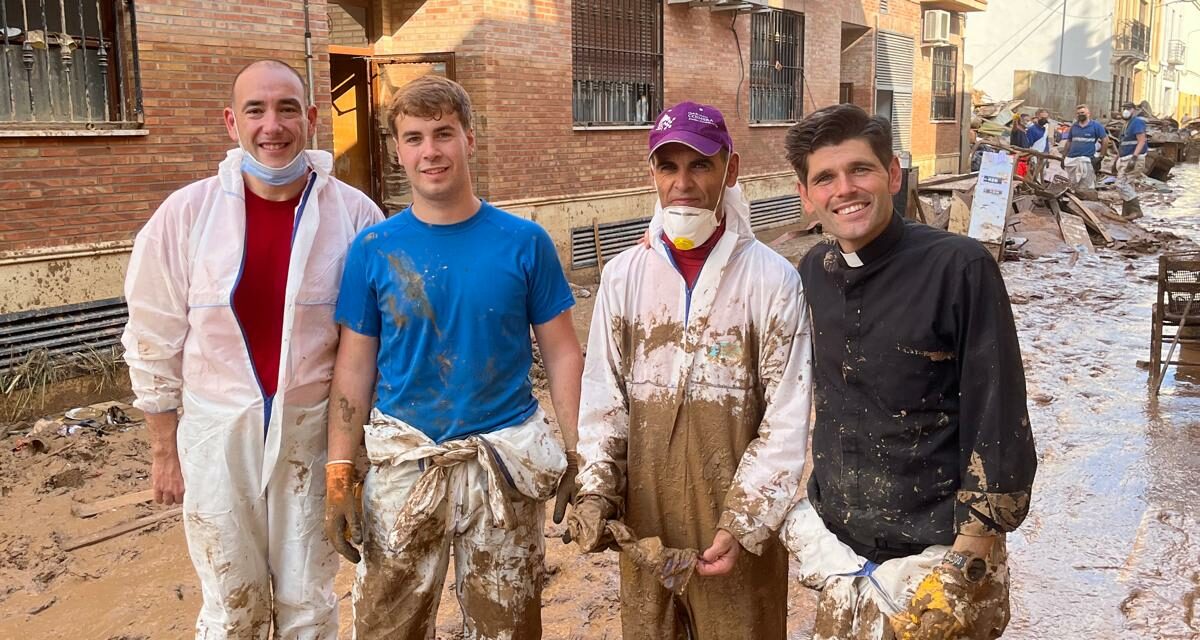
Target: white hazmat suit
{"x": 253, "y": 467}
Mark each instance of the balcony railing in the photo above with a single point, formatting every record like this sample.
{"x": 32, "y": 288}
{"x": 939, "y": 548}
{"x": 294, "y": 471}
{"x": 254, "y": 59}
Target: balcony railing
{"x": 1176, "y": 52}
{"x": 1132, "y": 40}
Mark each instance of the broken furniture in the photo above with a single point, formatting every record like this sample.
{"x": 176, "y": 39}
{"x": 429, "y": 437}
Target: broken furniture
{"x": 1175, "y": 317}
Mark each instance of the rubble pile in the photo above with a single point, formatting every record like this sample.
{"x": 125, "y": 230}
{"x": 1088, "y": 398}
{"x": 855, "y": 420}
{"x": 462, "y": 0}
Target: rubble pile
{"x": 1053, "y": 208}
{"x": 1051, "y": 216}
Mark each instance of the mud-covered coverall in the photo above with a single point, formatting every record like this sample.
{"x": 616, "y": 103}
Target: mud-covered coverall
{"x": 253, "y": 466}
{"x": 483, "y": 495}
{"x": 694, "y": 417}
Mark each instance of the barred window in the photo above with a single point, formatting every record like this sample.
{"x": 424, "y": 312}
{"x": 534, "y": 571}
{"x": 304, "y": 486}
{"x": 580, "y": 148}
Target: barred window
{"x": 945, "y": 72}
{"x": 68, "y": 64}
{"x": 617, "y": 61}
{"x": 776, "y": 66}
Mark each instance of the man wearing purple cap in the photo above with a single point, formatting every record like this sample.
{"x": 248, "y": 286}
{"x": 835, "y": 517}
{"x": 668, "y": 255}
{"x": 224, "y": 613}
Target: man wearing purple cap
{"x": 696, "y": 397}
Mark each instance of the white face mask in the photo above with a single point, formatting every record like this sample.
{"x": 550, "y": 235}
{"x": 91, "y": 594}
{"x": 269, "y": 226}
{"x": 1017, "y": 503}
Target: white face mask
{"x": 276, "y": 177}
{"x": 689, "y": 227}
{"x": 1126, "y": 113}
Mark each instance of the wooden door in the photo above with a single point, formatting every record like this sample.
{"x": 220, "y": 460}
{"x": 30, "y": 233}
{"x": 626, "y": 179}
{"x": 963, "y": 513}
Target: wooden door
{"x": 391, "y": 188}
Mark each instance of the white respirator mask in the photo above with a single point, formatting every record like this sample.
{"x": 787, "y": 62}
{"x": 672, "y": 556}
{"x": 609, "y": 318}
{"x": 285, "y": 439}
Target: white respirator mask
{"x": 689, "y": 227}
{"x": 1126, "y": 113}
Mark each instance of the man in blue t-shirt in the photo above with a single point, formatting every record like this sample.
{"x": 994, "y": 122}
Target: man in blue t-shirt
{"x": 1087, "y": 138}
{"x": 436, "y": 307}
{"x": 1037, "y": 137}
{"x": 1133, "y": 150}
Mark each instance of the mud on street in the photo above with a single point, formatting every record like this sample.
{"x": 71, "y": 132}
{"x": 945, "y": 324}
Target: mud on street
{"x": 1109, "y": 550}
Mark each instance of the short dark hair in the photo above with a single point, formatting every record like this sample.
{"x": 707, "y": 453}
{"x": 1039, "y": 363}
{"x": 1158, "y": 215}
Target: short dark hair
{"x": 833, "y": 126}
{"x": 271, "y": 62}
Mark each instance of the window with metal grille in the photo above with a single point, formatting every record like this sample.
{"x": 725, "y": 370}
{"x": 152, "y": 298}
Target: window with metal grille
{"x": 69, "y": 64}
{"x": 776, "y": 66}
{"x": 883, "y": 6}
{"x": 617, "y": 61}
{"x": 945, "y": 72}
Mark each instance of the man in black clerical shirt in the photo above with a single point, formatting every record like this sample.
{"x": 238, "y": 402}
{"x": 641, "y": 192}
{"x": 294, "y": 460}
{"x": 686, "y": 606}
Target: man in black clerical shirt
{"x": 923, "y": 457}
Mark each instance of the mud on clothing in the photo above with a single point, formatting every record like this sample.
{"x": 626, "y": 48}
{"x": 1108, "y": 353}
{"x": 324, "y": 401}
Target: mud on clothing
{"x": 253, "y": 506}
{"x": 921, "y": 429}
{"x": 693, "y": 418}
{"x": 858, "y": 597}
{"x": 481, "y": 498}
{"x": 452, "y": 306}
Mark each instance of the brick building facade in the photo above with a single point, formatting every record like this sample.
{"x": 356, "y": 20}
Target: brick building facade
{"x": 76, "y": 193}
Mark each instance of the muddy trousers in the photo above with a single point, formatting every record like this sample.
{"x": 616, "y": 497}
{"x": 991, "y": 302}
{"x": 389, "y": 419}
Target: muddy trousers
{"x": 848, "y": 608}
{"x": 1131, "y": 205}
{"x": 263, "y": 561}
{"x": 498, "y": 573}
{"x": 749, "y": 602}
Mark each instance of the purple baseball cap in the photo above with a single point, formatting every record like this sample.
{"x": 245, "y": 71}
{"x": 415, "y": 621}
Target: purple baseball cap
{"x": 699, "y": 126}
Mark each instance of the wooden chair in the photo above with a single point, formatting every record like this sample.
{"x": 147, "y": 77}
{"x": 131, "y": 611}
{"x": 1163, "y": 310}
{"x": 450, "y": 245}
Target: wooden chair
{"x": 1177, "y": 309}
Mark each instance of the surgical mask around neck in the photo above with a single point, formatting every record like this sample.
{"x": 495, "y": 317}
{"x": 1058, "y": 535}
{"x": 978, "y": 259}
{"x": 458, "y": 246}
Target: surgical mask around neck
{"x": 276, "y": 177}
{"x": 1126, "y": 114}
{"x": 689, "y": 227}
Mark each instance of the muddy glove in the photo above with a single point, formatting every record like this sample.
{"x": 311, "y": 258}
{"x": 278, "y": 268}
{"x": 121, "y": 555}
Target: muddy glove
{"x": 343, "y": 524}
{"x": 940, "y": 608}
{"x": 566, "y": 487}
{"x": 588, "y": 524}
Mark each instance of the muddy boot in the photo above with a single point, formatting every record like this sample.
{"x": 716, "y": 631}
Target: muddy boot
{"x": 1131, "y": 210}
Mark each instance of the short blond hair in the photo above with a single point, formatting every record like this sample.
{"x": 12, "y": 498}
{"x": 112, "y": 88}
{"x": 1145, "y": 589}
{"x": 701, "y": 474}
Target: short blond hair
{"x": 429, "y": 97}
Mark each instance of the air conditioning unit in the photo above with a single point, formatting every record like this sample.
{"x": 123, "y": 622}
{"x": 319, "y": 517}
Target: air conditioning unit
{"x": 937, "y": 27}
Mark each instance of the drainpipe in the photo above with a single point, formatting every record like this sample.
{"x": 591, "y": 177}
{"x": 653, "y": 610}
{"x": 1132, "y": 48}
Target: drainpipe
{"x": 308, "y": 68}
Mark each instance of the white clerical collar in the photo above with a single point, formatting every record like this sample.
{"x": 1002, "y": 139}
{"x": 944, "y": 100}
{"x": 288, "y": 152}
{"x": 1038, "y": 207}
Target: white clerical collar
{"x": 852, "y": 260}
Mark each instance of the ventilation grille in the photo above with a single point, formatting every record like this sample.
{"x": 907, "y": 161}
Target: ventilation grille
{"x": 63, "y": 332}
{"x": 616, "y": 237}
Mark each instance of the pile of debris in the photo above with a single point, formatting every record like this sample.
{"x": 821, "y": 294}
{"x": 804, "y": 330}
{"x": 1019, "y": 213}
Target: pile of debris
{"x": 1040, "y": 212}
{"x": 1169, "y": 143}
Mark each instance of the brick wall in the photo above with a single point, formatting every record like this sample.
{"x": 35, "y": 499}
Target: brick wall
{"x": 83, "y": 190}
{"x": 930, "y": 139}
{"x": 858, "y": 68}
{"x": 513, "y": 56}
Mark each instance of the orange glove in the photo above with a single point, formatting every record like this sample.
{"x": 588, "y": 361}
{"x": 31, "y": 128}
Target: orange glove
{"x": 343, "y": 524}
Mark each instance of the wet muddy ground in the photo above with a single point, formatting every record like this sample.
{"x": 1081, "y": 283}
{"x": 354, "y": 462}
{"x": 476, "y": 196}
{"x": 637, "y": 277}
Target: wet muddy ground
{"x": 1111, "y": 549}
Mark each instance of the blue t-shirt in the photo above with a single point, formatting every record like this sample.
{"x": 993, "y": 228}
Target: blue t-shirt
{"x": 1033, "y": 134}
{"x": 1135, "y": 126}
{"x": 1084, "y": 139}
{"x": 452, "y": 306}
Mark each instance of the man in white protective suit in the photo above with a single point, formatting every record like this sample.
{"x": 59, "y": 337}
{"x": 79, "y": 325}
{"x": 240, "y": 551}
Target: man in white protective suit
{"x": 695, "y": 405}
{"x": 231, "y": 290}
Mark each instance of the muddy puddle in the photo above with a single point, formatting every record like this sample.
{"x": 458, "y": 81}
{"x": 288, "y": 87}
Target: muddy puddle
{"x": 1112, "y": 543}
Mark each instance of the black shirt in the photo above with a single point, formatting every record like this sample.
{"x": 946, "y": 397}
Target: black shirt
{"x": 921, "y": 430}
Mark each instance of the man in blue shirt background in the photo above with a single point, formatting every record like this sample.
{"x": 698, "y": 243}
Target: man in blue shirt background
{"x": 1131, "y": 162}
{"x": 1036, "y": 135}
{"x": 1086, "y": 139}
{"x": 1085, "y": 135}
{"x": 436, "y": 307}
